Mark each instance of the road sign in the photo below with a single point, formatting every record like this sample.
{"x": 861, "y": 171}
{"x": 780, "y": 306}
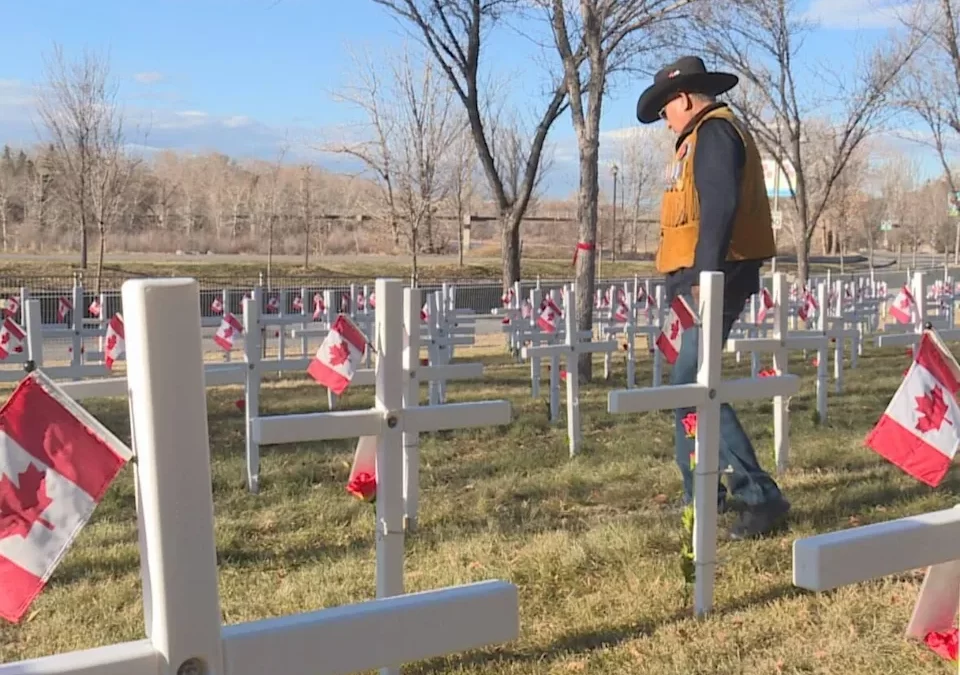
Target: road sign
{"x": 777, "y": 220}
{"x": 953, "y": 204}
{"x": 886, "y": 226}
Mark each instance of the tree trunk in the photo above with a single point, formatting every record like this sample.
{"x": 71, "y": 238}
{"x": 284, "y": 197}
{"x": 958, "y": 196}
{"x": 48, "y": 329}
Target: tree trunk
{"x": 83, "y": 243}
{"x": 510, "y": 248}
{"x": 102, "y": 228}
{"x": 306, "y": 243}
{"x": 414, "y": 245}
{"x": 803, "y": 259}
{"x": 587, "y": 199}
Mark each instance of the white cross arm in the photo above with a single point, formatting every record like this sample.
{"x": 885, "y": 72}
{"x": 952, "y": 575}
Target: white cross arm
{"x": 579, "y": 348}
{"x": 456, "y": 371}
{"x": 896, "y": 339}
{"x": 834, "y": 559}
{"x": 375, "y": 634}
{"x": 215, "y": 375}
{"x": 385, "y": 632}
{"x": 900, "y": 339}
{"x": 767, "y": 345}
{"x": 308, "y": 427}
{"x": 693, "y": 395}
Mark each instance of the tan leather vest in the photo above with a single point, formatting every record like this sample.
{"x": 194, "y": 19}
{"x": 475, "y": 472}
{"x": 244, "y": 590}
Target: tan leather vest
{"x": 680, "y": 210}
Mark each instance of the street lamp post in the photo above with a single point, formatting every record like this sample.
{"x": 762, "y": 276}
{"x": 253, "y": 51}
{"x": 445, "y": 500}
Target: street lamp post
{"x": 613, "y": 247}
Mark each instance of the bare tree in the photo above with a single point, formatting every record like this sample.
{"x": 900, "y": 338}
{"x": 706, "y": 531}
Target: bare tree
{"x": 462, "y": 169}
{"x": 931, "y": 90}
{"x": 414, "y": 127}
{"x": 643, "y": 154}
{"x": 75, "y": 107}
{"x": 305, "y": 194}
{"x": 369, "y": 94}
{"x": 594, "y": 41}
{"x": 110, "y": 172}
{"x": 760, "y": 40}
{"x": 453, "y": 32}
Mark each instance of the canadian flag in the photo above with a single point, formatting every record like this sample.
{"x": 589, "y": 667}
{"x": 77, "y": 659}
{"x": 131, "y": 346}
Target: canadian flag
{"x": 11, "y": 338}
{"x": 679, "y": 318}
{"x": 766, "y": 304}
{"x": 56, "y": 463}
{"x": 344, "y": 302}
{"x": 549, "y": 313}
{"x": 63, "y": 307}
{"x": 318, "y": 307}
{"x": 623, "y": 312}
{"x": 339, "y": 355}
{"x": 116, "y": 343}
{"x": 903, "y": 306}
{"x": 425, "y": 313}
{"x": 216, "y": 306}
{"x": 526, "y": 309}
{"x": 228, "y": 329}
{"x": 361, "y": 301}
{"x": 273, "y": 305}
{"x": 919, "y": 429}
{"x": 507, "y": 297}
{"x": 94, "y": 308}
{"x": 297, "y": 304}
{"x": 11, "y": 307}
{"x": 809, "y": 307}
{"x": 373, "y": 300}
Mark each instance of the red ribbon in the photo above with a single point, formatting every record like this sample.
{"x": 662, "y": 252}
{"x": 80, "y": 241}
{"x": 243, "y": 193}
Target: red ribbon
{"x": 582, "y": 246}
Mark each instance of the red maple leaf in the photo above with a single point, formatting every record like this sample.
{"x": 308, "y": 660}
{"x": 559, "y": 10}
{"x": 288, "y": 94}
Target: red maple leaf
{"x": 932, "y": 409}
{"x": 905, "y": 302}
{"x": 339, "y": 353}
{"x": 674, "y": 330}
{"x": 21, "y": 506}
{"x": 4, "y": 337}
{"x": 111, "y": 343}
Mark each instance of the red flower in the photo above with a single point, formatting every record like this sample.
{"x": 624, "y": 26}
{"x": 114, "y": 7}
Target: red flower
{"x": 363, "y": 486}
{"x": 241, "y": 404}
{"x": 690, "y": 425}
{"x": 769, "y": 372}
{"x": 943, "y": 643}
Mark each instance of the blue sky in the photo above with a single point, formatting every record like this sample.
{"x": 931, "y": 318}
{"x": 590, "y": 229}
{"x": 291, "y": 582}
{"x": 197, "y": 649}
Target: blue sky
{"x": 240, "y": 76}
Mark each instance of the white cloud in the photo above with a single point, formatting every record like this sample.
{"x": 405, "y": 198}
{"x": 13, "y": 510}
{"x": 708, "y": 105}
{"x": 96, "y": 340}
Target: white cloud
{"x": 149, "y": 77}
{"x": 237, "y": 121}
{"x": 857, "y": 14}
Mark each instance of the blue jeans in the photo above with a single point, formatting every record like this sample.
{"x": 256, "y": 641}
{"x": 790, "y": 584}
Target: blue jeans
{"x": 748, "y": 482}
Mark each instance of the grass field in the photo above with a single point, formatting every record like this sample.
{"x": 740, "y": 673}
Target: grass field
{"x": 592, "y": 543}
{"x": 247, "y": 268}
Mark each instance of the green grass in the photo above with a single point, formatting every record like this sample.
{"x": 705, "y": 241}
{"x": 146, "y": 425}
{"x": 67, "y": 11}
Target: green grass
{"x": 242, "y": 269}
{"x": 365, "y": 269}
{"x": 592, "y": 542}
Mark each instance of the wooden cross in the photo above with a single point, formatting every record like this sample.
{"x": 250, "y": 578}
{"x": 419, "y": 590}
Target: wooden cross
{"x": 570, "y": 351}
{"x": 789, "y": 340}
{"x": 183, "y": 625}
{"x": 932, "y": 540}
{"x": 707, "y": 394}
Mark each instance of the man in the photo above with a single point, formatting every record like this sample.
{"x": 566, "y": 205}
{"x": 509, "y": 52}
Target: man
{"x": 715, "y": 217}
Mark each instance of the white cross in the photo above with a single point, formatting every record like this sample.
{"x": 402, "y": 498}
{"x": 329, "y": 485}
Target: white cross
{"x": 412, "y": 373}
{"x": 827, "y": 561}
{"x": 175, "y": 510}
{"x": 789, "y": 340}
{"x": 570, "y": 351}
{"x": 706, "y": 395}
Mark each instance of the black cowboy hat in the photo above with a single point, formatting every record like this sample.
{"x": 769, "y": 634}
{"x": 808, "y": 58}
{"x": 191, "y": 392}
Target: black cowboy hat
{"x": 686, "y": 74}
